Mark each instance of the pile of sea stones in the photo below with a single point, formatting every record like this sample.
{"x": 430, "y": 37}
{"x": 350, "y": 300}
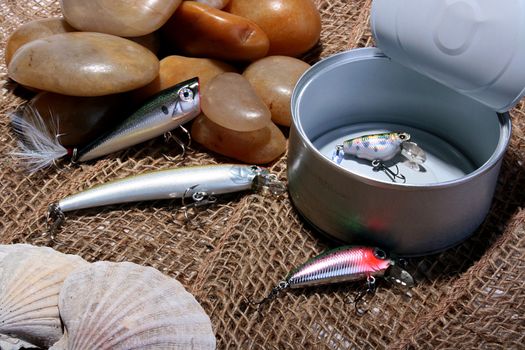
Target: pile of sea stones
{"x": 87, "y": 65}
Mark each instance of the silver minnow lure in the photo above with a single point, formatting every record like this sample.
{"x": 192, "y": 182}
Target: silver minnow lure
{"x": 39, "y": 146}
{"x": 195, "y": 183}
{"x": 166, "y": 111}
{"x": 381, "y": 147}
{"x": 344, "y": 264}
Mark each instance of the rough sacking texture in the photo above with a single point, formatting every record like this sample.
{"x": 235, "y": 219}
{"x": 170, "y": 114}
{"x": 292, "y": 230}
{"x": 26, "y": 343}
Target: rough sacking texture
{"x": 471, "y": 296}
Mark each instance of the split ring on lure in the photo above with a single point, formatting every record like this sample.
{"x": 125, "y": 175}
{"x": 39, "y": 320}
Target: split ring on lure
{"x": 200, "y": 183}
{"x": 169, "y": 109}
{"x": 344, "y": 264}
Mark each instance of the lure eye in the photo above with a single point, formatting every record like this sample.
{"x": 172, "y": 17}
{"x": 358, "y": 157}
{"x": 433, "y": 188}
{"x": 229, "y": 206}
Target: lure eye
{"x": 379, "y": 253}
{"x": 404, "y": 136}
{"x": 256, "y": 169}
{"x": 186, "y": 94}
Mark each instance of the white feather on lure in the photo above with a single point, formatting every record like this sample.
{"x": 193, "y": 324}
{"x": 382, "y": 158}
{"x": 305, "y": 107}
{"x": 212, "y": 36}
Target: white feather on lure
{"x": 39, "y": 145}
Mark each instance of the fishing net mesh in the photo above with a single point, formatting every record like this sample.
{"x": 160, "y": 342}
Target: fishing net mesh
{"x": 471, "y": 296}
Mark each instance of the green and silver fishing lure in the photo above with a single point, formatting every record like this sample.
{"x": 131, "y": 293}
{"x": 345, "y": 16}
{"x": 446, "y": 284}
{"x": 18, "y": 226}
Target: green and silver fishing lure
{"x": 381, "y": 148}
{"x": 164, "y": 112}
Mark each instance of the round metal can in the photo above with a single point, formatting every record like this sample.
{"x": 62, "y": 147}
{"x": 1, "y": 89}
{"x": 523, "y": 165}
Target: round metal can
{"x": 363, "y": 91}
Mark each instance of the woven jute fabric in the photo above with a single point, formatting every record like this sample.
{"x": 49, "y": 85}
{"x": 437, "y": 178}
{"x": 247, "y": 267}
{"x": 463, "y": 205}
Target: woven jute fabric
{"x": 470, "y": 296}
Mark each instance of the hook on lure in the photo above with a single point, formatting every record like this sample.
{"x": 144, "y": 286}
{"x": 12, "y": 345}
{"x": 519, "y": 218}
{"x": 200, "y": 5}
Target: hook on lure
{"x": 54, "y": 219}
{"x": 184, "y": 146}
{"x": 344, "y": 264}
{"x": 393, "y": 175}
{"x": 379, "y": 148}
{"x": 199, "y": 199}
{"x": 359, "y": 298}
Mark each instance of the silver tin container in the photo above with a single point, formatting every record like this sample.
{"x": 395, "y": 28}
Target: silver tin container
{"x": 363, "y": 91}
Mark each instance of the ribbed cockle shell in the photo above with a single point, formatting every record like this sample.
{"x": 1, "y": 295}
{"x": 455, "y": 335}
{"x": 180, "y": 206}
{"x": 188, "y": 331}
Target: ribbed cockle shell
{"x": 30, "y": 280}
{"x": 127, "y": 306}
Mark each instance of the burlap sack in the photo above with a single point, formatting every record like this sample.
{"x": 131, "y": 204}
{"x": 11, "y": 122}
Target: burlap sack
{"x": 471, "y": 296}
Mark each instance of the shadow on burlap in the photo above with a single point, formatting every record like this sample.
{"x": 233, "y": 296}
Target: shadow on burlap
{"x": 471, "y": 296}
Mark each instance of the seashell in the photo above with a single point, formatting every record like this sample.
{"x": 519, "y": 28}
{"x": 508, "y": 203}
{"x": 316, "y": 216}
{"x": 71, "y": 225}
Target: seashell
{"x": 126, "y": 306}
{"x": 30, "y": 280}
{"x": 8, "y": 343}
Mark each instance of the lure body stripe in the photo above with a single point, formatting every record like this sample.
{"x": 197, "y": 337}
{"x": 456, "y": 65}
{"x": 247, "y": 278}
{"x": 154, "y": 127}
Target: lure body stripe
{"x": 164, "y": 112}
{"x": 165, "y": 184}
{"x": 340, "y": 265}
{"x": 375, "y": 147}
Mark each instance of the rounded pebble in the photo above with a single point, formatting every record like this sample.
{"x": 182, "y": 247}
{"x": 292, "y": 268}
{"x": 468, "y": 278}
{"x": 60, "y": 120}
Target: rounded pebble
{"x": 200, "y": 30}
{"x": 230, "y": 101}
{"x": 83, "y": 64}
{"x": 127, "y": 18}
{"x": 274, "y": 79}
{"x": 256, "y": 147}
{"x": 293, "y": 26}
{"x": 34, "y": 30}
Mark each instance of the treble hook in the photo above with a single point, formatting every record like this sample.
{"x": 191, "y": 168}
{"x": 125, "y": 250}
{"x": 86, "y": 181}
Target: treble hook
{"x": 168, "y": 136}
{"x": 55, "y": 218}
{"x": 199, "y": 198}
{"x": 370, "y": 289}
{"x": 380, "y": 166}
{"x": 274, "y": 293}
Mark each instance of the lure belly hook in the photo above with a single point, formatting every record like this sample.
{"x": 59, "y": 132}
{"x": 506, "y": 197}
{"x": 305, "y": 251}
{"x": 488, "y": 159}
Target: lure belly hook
{"x": 199, "y": 183}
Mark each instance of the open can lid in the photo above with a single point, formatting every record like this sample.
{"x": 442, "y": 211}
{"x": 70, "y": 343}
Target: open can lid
{"x": 476, "y": 47}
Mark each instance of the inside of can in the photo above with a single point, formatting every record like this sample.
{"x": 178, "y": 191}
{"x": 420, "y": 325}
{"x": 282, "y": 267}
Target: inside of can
{"x": 373, "y": 95}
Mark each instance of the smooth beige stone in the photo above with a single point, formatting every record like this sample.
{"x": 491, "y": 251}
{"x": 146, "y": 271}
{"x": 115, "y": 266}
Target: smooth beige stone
{"x": 83, "y": 64}
{"x": 34, "y": 30}
{"x": 218, "y": 4}
{"x": 127, "y": 18}
{"x": 200, "y": 30}
{"x": 293, "y": 26}
{"x": 175, "y": 69}
{"x": 230, "y": 101}
{"x": 80, "y": 120}
{"x": 256, "y": 147}
{"x": 274, "y": 79}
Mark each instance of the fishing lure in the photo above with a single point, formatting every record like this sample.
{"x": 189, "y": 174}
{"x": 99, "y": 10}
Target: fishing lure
{"x": 379, "y": 148}
{"x": 169, "y": 109}
{"x": 200, "y": 183}
{"x": 344, "y": 264}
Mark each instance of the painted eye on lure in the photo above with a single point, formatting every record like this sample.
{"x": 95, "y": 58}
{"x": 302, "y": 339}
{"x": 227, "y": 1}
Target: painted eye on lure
{"x": 186, "y": 94}
{"x": 344, "y": 264}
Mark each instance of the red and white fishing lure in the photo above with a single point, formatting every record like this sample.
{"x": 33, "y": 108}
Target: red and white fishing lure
{"x": 344, "y": 264}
